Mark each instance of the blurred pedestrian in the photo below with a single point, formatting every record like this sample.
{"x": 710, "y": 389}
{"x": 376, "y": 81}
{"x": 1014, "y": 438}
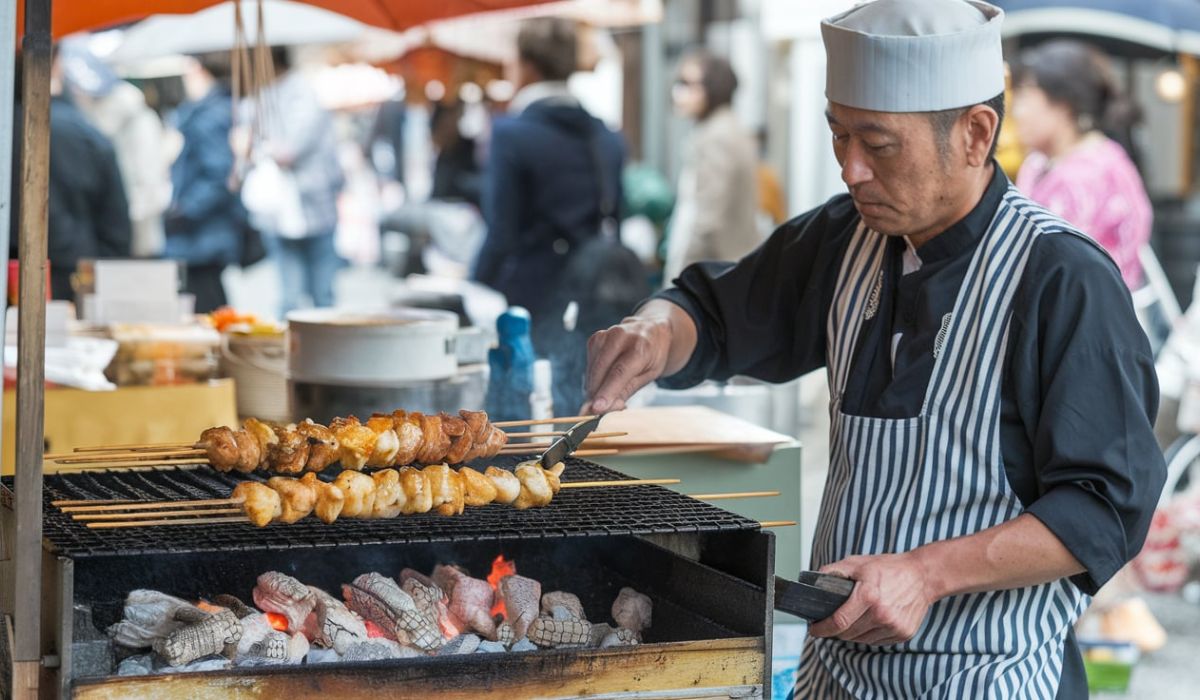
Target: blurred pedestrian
{"x": 1077, "y": 126}
{"x": 88, "y": 213}
{"x": 119, "y": 111}
{"x": 299, "y": 138}
{"x": 718, "y": 185}
{"x": 205, "y": 220}
{"x": 552, "y": 173}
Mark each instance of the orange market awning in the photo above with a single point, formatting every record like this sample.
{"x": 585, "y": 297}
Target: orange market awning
{"x": 70, "y": 16}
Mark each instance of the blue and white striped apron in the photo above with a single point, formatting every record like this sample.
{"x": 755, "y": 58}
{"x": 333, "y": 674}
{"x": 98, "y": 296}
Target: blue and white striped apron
{"x": 897, "y": 484}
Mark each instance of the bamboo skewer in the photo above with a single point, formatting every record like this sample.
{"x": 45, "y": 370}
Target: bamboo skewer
{"x": 777, "y": 523}
{"x": 190, "y": 512}
{"x": 162, "y": 446}
{"x": 169, "y": 521}
{"x": 626, "y": 482}
{"x": 88, "y": 458}
{"x": 725, "y": 496}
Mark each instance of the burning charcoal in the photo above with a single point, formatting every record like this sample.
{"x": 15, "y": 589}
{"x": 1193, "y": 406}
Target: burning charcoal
{"x": 521, "y": 597}
{"x": 235, "y": 604}
{"x": 136, "y": 666}
{"x": 523, "y": 644}
{"x": 149, "y": 616}
{"x": 462, "y": 644}
{"x": 331, "y": 624}
{"x": 632, "y": 610}
{"x": 471, "y": 601}
{"x": 560, "y": 612}
{"x": 406, "y": 574}
{"x": 446, "y": 577}
{"x": 211, "y": 663}
{"x": 505, "y": 634}
{"x": 216, "y": 634}
{"x": 280, "y": 593}
{"x": 377, "y": 598}
{"x": 489, "y": 647}
{"x": 378, "y": 649}
{"x": 569, "y": 601}
{"x": 255, "y": 628}
{"x": 277, "y": 648}
{"x": 619, "y": 637}
{"x": 599, "y": 631}
{"x": 322, "y": 656}
{"x": 431, "y": 603}
{"x": 548, "y": 632}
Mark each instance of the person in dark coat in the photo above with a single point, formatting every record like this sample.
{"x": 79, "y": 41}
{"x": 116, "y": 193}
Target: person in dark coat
{"x": 205, "y": 219}
{"x": 88, "y": 212}
{"x": 541, "y": 192}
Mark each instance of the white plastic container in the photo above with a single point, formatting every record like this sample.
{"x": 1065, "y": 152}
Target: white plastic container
{"x": 343, "y": 346}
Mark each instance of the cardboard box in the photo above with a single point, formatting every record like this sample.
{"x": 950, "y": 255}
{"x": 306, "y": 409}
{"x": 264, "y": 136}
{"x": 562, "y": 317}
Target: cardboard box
{"x": 147, "y": 414}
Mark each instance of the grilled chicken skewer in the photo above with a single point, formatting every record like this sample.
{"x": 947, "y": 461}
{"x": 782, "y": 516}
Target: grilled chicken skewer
{"x": 391, "y": 492}
{"x": 394, "y": 440}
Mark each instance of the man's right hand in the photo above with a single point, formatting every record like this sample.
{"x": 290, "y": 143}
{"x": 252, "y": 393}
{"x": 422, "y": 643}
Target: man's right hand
{"x": 628, "y": 356}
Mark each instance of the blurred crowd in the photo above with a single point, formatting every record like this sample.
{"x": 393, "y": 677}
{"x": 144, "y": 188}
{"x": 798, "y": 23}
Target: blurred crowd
{"x": 528, "y": 194}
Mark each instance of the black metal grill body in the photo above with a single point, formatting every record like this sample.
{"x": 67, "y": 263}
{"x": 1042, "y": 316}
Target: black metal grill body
{"x": 706, "y": 569}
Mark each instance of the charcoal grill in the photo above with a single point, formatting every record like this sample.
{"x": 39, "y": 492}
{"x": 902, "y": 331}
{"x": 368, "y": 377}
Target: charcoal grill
{"x": 706, "y": 569}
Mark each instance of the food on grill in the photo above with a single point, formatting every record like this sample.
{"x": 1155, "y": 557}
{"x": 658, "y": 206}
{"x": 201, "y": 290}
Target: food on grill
{"x": 261, "y": 503}
{"x": 390, "y": 492}
{"x": 383, "y": 440}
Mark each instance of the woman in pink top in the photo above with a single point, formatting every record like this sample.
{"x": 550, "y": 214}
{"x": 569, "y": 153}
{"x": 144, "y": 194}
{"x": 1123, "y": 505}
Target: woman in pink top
{"x": 1066, "y": 108}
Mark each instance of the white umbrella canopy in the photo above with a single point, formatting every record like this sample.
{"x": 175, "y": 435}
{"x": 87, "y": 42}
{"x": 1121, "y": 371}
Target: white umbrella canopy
{"x": 285, "y": 23}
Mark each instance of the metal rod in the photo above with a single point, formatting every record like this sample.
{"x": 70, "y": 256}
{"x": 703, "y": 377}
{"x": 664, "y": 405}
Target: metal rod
{"x": 31, "y": 331}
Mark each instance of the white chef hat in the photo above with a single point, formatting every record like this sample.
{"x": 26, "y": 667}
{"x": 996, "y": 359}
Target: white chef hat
{"x": 914, "y": 55}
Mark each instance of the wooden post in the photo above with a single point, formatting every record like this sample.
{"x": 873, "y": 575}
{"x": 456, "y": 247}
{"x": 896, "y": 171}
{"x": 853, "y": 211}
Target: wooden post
{"x": 1191, "y": 73}
{"x": 31, "y": 347}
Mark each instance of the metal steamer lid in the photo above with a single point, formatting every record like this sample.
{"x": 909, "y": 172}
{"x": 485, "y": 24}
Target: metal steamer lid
{"x": 364, "y": 347}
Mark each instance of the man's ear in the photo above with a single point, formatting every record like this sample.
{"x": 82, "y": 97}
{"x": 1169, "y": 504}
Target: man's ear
{"x": 980, "y": 124}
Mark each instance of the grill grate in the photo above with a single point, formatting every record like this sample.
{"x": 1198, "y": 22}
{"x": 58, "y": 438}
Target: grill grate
{"x": 627, "y": 510}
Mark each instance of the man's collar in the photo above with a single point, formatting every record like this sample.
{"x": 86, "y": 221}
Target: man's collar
{"x": 967, "y": 231}
{"x": 536, "y": 92}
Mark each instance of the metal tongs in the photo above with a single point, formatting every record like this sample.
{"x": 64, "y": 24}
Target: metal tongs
{"x": 569, "y": 442}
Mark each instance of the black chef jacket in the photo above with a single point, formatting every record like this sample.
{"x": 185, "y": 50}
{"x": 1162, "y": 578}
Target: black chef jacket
{"x": 1079, "y": 392}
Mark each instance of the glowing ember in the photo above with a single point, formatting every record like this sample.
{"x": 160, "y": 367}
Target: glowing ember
{"x": 501, "y": 567}
{"x": 278, "y": 621}
{"x": 208, "y": 607}
{"x": 374, "y": 630}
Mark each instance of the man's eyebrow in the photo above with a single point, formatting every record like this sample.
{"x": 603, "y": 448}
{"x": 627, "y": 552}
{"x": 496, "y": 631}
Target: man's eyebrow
{"x": 869, "y": 126}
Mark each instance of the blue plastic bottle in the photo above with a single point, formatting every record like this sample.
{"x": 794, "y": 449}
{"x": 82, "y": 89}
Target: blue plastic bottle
{"x": 511, "y": 363}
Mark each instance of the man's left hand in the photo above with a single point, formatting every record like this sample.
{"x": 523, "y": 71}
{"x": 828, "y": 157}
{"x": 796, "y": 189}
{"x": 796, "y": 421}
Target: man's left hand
{"x": 891, "y": 597}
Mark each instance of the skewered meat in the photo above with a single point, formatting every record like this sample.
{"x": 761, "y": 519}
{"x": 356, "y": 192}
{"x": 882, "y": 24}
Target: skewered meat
{"x": 330, "y": 499}
{"x": 418, "y": 491}
{"x": 297, "y": 497}
{"x": 279, "y": 593}
{"x": 447, "y": 489}
{"x": 356, "y": 442}
{"x": 260, "y": 502}
{"x": 478, "y": 490}
{"x": 386, "y": 442}
{"x": 508, "y": 486}
{"x": 322, "y": 445}
{"x": 216, "y": 634}
{"x": 390, "y": 492}
{"x": 377, "y": 598}
{"x": 389, "y": 496}
{"x": 331, "y": 624}
{"x": 409, "y": 434}
{"x": 521, "y": 598}
{"x": 290, "y": 453}
{"x": 221, "y": 446}
{"x": 359, "y": 490}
